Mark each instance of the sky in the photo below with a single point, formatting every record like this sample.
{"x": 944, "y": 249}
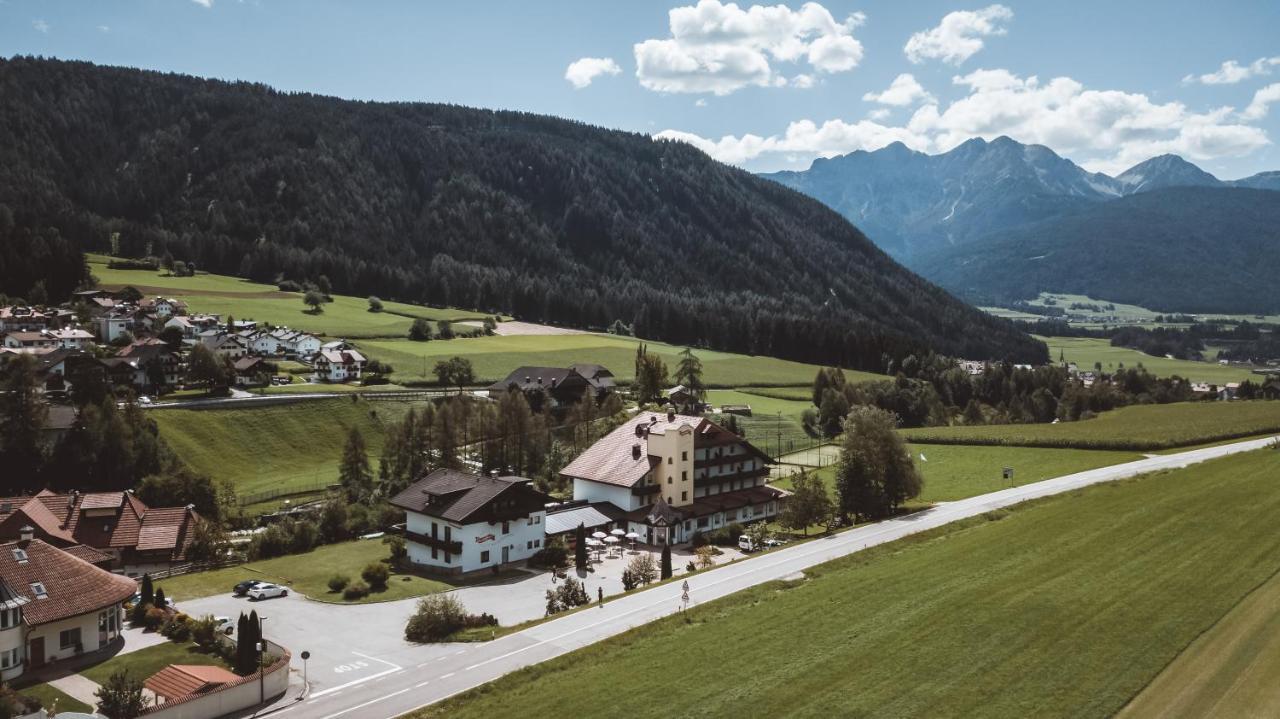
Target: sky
{"x": 764, "y": 87}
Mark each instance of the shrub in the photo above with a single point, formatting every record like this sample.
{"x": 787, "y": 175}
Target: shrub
{"x": 153, "y": 618}
{"x": 359, "y": 590}
{"x": 629, "y": 580}
{"x": 289, "y": 286}
{"x": 203, "y": 631}
{"x": 138, "y": 615}
{"x": 643, "y": 568}
{"x": 437, "y": 617}
{"x": 552, "y": 556}
{"x": 399, "y": 550}
{"x": 376, "y": 574}
{"x": 691, "y": 567}
{"x": 571, "y": 593}
{"x": 338, "y": 582}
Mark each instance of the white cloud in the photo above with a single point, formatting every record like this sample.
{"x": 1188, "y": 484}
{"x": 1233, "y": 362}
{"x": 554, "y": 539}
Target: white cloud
{"x": 40, "y": 26}
{"x": 700, "y": 102}
{"x": 104, "y": 28}
{"x": 582, "y": 71}
{"x": 720, "y": 48}
{"x": 803, "y": 81}
{"x": 880, "y": 114}
{"x": 203, "y": 3}
{"x": 958, "y": 36}
{"x": 1232, "y": 72}
{"x": 1262, "y": 100}
{"x": 1104, "y": 130}
{"x": 902, "y": 92}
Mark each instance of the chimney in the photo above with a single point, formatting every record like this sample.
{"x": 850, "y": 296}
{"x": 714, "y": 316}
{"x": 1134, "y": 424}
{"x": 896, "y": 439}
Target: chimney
{"x": 26, "y": 534}
{"x": 635, "y": 451}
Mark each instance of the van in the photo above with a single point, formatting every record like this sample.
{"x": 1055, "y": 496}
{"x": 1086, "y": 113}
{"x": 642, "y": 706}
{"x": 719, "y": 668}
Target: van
{"x": 746, "y": 545}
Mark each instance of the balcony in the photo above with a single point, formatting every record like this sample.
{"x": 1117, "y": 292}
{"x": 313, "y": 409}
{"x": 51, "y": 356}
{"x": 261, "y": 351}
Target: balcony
{"x": 643, "y": 489}
{"x": 726, "y": 478}
{"x": 435, "y": 543}
{"x": 723, "y": 459}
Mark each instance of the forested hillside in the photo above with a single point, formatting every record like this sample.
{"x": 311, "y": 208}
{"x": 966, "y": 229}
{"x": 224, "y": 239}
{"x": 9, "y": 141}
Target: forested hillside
{"x": 1178, "y": 249}
{"x": 548, "y": 219}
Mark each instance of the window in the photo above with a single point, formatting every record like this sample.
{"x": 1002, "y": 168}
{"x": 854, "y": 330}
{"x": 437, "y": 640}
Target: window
{"x": 69, "y": 638}
{"x": 528, "y": 544}
{"x": 670, "y": 460}
{"x": 506, "y": 527}
{"x": 684, "y": 456}
{"x": 9, "y": 659}
{"x": 484, "y": 557}
{"x": 669, "y": 479}
{"x": 537, "y": 543}
{"x": 20, "y": 556}
{"x": 684, "y": 496}
{"x": 38, "y": 589}
{"x": 670, "y": 501}
{"x": 9, "y": 618}
{"x": 684, "y": 476}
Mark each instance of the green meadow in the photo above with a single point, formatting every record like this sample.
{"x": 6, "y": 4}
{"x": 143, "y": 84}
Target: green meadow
{"x": 1063, "y": 607}
{"x": 1087, "y": 351}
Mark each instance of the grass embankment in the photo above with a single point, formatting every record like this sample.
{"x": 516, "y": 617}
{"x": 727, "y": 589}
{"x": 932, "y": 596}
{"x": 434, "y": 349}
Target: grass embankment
{"x": 495, "y": 357}
{"x": 954, "y": 472}
{"x": 286, "y": 447}
{"x": 145, "y": 662}
{"x": 219, "y": 294}
{"x": 1086, "y": 351}
{"x": 1136, "y": 428}
{"x": 1064, "y": 607}
{"x": 307, "y": 574}
{"x": 50, "y": 697}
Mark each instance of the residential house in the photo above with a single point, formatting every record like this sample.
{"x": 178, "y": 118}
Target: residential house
{"x": 230, "y": 346}
{"x": 263, "y": 343}
{"x": 58, "y": 369}
{"x": 555, "y": 387}
{"x": 16, "y": 318}
{"x": 674, "y": 475}
{"x": 37, "y": 342}
{"x": 159, "y": 363}
{"x": 251, "y": 371}
{"x": 293, "y": 342}
{"x": 459, "y": 523}
{"x": 163, "y": 307}
{"x": 73, "y": 338}
{"x": 184, "y": 325}
{"x": 339, "y": 365}
{"x": 114, "y": 323}
{"x": 137, "y": 539}
{"x": 54, "y": 605}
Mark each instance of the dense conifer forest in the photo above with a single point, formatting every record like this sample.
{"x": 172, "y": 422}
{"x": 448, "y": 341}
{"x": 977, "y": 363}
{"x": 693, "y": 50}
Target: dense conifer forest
{"x": 547, "y": 219}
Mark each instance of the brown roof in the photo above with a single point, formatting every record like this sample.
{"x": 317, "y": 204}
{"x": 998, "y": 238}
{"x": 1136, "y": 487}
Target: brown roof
{"x": 182, "y": 680}
{"x": 30, "y": 510}
{"x": 59, "y": 518}
{"x": 613, "y": 460}
{"x": 102, "y": 500}
{"x": 88, "y": 554}
{"x": 72, "y": 585}
{"x": 462, "y": 497}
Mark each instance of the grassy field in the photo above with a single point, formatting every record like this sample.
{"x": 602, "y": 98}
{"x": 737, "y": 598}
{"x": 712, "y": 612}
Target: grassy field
{"x": 219, "y": 294}
{"x": 145, "y": 662}
{"x": 1086, "y": 351}
{"x": 1140, "y": 427}
{"x": 954, "y": 472}
{"x": 799, "y": 394}
{"x": 772, "y": 421}
{"x": 1233, "y": 670}
{"x": 307, "y": 574}
{"x": 51, "y": 697}
{"x": 495, "y": 357}
{"x": 1064, "y": 607}
{"x": 284, "y": 447}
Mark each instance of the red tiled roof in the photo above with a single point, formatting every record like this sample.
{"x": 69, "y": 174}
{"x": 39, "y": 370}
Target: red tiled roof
{"x": 88, "y": 554}
{"x": 182, "y": 680}
{"x": 102, "y": 500}
{"x": 32, "y": 511}
{"x": 164, "y": 537}
{"x": 72, "y": 585}
{"x": 60, "y": 518}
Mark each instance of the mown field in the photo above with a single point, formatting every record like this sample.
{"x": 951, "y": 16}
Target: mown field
{"x": 774, "y": 425}
{"x": 1064, "y": 607}
{"x": 954, "y": 472}
{"x": 289, "y": 447}
{"x": 1140, "y": 427}
{"x": 495, "y": 357}
{"x": 307, "y": 574}
{"x": 1086, "y": 351}
{"x": 219, "y": 294}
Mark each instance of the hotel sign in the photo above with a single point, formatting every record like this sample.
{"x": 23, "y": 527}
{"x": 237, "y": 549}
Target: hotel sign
{"x": 485, "y": 538}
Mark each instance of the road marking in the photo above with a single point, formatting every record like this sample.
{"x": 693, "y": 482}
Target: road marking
{"x": 372, "y": 701}
{"x": 333, "y": 690}
{"x": 421, "y": 685}
{"x": 446, "y": 676}
{"x": 460, "y": 651}
{"x": 440, "y": 659}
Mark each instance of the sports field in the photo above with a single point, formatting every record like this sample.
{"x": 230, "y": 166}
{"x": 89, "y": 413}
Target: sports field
{"x": 1086, "y": 351}
{"x": 1140, "y": 427}
{"x": 219, "y": 294}
{"x": 1064, "y": 607}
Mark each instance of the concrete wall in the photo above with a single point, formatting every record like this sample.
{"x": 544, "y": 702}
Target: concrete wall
{"x": 230, "y": 698}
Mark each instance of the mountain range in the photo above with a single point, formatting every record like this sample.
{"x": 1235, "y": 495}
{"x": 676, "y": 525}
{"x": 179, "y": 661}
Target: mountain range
{"x": 547, "y": 219}
{"x": 955, "y": 215}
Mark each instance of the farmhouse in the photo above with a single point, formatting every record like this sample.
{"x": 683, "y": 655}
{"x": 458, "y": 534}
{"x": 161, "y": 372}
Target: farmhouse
{"x": 33, "y": 342}
{"x": 458, "y": 522}
{"x": 293, "y": 342}
{"x": 674, "y": 475}
{"x": 54, "y": 605}
{"x": 24, "y": 319}
{"x": 137, "y": 538}
{"x": 556, "y": 387}
{"x": 339, "y": 365}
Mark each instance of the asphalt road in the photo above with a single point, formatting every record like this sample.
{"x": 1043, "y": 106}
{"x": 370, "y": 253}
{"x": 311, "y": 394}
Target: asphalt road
{"x": 401, "y": 678}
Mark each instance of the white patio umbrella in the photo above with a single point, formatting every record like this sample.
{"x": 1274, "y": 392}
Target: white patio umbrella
{"x": 599, "y": 535}
{"x": 632, "y": 536}
{"x": 618, "y": 532}
{"x": 612, "y": 540}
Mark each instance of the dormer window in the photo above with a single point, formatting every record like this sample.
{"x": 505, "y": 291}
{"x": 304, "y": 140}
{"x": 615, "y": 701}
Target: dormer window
{"x": 37, "y": 588}
{"x": 20, "y": 556}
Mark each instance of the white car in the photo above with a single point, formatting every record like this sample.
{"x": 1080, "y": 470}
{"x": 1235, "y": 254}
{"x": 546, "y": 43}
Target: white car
{"x": 267, "y": 591}
{"x": 224, "y": 625}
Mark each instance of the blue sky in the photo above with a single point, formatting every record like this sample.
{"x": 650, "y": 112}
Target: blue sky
{"x": 766, "y": 87}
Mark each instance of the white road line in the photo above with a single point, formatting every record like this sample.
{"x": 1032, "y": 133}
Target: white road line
{"x": 333, "y": 690}
{"x": 421, "y": 685}
{"x": 372, "y": 701}
{"x": 446, "y": 676}
{"x": 440, "y": 659}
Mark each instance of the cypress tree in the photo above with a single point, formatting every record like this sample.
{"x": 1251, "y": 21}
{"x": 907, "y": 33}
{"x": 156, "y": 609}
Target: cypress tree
{"x": 242, "y": 634}
{"x": 580, "y": 548}
{"x": 148, "y": 592}
{"x": 666, "y": 561}
{"x": 159, "y": 598}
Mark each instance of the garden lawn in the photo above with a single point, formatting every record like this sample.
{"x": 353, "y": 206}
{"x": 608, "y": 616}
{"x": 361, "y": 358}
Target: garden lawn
{"x": 306, "y": 574}
{"x": 1085, "y": 351}
{"x": 291, "y": 447}
{"x": 495, "y": 357}
{"x": 219, "y": 294}
{"x": 145, "y": 662}
{"x": 1140, "y": 427}
{"x": 50, "y": 696}
{"x": 1063, "y": 607}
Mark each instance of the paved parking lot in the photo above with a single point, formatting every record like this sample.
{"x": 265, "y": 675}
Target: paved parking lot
{"x": 355, "y": 644}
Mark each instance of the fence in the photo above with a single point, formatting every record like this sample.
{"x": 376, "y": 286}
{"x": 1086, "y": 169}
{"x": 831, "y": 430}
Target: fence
{"x": 270, "y": 494}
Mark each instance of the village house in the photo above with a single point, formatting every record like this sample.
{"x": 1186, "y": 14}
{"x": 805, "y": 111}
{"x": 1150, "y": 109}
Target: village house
{"x": 674, "y": 475}
{"x": 54, "y": 605}
{"x": 73, "y": 338}
{"x": 36, "y": 342}
{"x": 555, "y": 387}
{"x": 459, "y": 523}
{"x": 251, "y": 371}
{"x": 137, "y": 539}
{"x": 263, "y": 343}
{"x": 230, "y": 346}
{"x": 157, "y": 362}
{"x": 111, "y": 325}
{"x": 24, "y": 319}
{"x": 293, "y": 342}
{"x": 339, "y": 365}
{"x": 163, "y": 307}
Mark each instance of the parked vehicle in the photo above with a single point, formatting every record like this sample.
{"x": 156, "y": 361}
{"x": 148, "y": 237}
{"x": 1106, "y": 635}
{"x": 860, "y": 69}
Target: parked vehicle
{"x": 243, "y": 588}
{"x": 267, "y": 591}
{"x": 746, "y": 545}
{"x": 771, "y": 542}
{"x": 224, "y": 625}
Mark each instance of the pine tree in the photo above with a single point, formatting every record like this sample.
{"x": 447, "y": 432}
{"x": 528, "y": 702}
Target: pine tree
{"x": 689, "y": 374}
{"x": 354, "y": 474}
{"x": 22, "y": 415}
{"x": 666, "y": 561}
